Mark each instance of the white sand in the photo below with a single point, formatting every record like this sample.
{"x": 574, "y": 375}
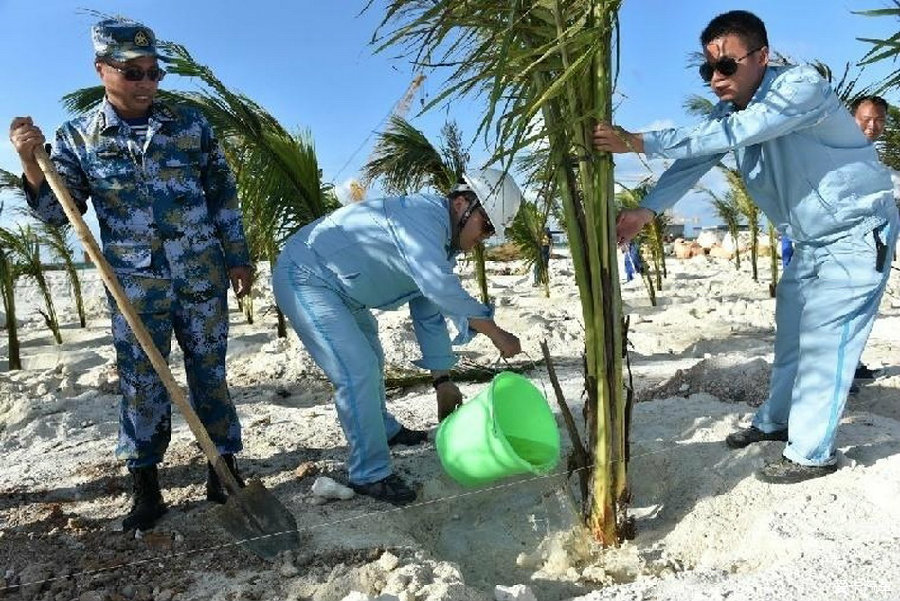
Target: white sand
{"x": 706, "y": 528}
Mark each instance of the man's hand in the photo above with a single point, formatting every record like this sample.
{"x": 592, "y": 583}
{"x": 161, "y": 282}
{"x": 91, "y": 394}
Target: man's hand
{"x": 508, "y": 344}
{"x": 26, "y": 137}
{"x": 612, "y": 138}
{"x": 630, "y": 222}
{"x": 241, "y": 280}
{"x": 448, "y": 399}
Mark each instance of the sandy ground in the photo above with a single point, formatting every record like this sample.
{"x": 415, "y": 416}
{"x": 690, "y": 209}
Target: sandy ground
{"x": 706, "y": 528}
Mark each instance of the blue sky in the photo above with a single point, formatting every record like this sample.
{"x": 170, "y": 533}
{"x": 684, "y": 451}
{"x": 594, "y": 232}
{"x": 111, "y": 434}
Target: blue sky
{"x": 310, "y": 64}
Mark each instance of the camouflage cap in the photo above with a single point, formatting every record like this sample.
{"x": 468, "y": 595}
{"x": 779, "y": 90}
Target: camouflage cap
{"x": 122, "y": 40}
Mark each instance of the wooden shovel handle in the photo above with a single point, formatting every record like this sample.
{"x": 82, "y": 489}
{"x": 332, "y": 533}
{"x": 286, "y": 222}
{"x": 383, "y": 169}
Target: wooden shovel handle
{"x": 137, "y": 326}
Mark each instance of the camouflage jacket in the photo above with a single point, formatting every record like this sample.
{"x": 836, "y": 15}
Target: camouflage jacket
{"x": 167, "y": 209}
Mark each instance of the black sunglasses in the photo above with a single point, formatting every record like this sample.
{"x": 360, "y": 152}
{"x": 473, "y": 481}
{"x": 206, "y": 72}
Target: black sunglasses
{"x": 487, "y": 228}
{"x": 138, "y": 74}
{"x": 726, "y": 66}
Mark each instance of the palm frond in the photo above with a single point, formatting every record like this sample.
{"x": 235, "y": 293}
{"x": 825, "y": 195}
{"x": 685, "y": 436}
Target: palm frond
{"x": 883, "y": 49}
{"x": 405, "y": 161}
{"x": 698, "y": 106}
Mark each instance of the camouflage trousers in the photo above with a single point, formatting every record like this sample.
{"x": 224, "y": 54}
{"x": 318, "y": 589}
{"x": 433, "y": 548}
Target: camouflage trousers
{"x": 145, "y": 415}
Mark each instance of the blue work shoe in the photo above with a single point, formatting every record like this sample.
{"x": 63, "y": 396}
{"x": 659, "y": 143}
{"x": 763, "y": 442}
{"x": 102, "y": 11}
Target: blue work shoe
{"x": 408, "y": 437}
{"x": 748, "y": 436}
{"x": 785, "y": 471}
{"x": 391, "y": 489}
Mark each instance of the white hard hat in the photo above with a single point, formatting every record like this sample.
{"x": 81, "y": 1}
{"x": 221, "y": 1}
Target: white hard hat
{"x": 497, "y": 192}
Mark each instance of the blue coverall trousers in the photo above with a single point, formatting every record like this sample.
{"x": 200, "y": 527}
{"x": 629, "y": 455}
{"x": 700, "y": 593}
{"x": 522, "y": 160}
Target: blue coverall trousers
{"x": 342, "y": 338}
{"x": 826, "y": 304}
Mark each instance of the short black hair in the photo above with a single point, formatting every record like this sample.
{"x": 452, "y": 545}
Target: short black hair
{"x": 742, "y": 23}
{"x": 878, "y": 101}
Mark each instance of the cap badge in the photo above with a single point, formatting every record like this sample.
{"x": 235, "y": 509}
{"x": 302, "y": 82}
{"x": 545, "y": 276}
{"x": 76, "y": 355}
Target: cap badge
{"x": 141, "y": 38}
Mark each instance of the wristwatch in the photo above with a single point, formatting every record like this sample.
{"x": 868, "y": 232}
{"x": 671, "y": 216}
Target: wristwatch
{"x": 440, "y": 380}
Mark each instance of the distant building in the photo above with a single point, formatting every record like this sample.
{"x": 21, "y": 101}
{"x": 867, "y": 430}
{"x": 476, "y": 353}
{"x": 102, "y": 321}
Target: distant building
{"x": 674, "y": 230}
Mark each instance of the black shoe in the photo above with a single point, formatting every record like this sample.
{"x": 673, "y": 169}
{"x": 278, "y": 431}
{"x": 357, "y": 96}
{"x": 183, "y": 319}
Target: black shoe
{"x": 786, "y": 471}
{"x": 391, "y": 489}
{"x": 215, "y": 492}
{"x": 408, "y": 437}
{"x": 854, "y": 390}
{"x": 864, "y": 373}
{"x": 748, "y": 436}
{"x": 148, "y": 502}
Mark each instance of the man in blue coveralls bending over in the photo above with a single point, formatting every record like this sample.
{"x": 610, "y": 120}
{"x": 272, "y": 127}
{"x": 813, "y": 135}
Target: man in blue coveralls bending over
{"x": 381, "y": 254}
{"x": 818, "y": 179}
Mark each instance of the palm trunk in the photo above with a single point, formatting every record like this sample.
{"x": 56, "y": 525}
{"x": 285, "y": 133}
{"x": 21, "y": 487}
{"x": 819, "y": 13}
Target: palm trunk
{"x": 648, "y": 282}
{"x": 591, "y": 229}
{"x": 248, "y": 309}
{"x": 7, "y": 290}
{"x": 281, "y": 328}
{"x": 733, "y": 228}
{"x": 773, "y": 259}
{"x": 657, "y": 253}
{"x": 72, "y": 272}
{"x": 754, "y": 249}
{"x": 481, "y": 272}
{"x": 50, "y": 316}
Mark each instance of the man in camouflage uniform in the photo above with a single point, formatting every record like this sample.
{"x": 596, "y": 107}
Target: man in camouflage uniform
{"x": 171, "y": 229}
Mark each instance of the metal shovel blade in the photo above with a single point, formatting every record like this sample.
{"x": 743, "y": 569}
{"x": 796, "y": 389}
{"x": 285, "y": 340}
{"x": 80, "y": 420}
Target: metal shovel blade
{"x": 259, "y": 521}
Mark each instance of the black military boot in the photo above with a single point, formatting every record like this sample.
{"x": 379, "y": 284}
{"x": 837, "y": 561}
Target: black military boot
{"x": 215, "y": 492}
{"x": 148, "y": 502}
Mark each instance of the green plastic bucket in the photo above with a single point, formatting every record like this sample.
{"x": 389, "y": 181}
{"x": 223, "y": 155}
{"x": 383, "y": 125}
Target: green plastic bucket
{"x": 507, "y": 429}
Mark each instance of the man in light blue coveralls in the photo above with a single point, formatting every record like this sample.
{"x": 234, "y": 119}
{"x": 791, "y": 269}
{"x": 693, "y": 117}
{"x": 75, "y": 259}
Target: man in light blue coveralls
{"x": 171, "y": 229}
{"x": 818, "y": 179}
{"x": 382, "y": 254}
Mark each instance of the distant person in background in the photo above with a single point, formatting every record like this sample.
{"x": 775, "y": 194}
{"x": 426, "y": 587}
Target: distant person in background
{"x": 542, "y": 265}
{"x": 632, "y": 261}
{"x": 870, "y": 113}
{"x": 787, "y": 250}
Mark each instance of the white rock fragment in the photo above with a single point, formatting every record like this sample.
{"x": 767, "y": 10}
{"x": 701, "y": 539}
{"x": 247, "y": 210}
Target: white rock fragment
{"x": 358, "y": 596}
{"x": 517, "y": 592}
{"x": 388, "y": 561}
{"x": 327, "y": 488}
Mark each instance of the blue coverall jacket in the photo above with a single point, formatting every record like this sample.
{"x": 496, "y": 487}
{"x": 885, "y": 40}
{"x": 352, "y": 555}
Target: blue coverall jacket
{"x": 379, "y": 254}
{"x": 811, "y": 170}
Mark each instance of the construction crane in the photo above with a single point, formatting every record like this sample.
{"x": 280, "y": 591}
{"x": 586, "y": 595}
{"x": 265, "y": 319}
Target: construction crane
{"x": 359, "y": 186}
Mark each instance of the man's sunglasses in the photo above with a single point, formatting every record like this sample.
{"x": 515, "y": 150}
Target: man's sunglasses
{"x": 487, "y": 228}
{"x": 726, "y": 66}
{"x": 138, "y": 74}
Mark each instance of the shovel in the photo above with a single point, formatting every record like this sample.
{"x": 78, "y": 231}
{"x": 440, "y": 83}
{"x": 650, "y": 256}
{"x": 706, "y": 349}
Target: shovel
{"x": 252, "y": 514}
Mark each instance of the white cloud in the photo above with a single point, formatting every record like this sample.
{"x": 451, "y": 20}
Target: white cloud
{"x": 657, "y": 124}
